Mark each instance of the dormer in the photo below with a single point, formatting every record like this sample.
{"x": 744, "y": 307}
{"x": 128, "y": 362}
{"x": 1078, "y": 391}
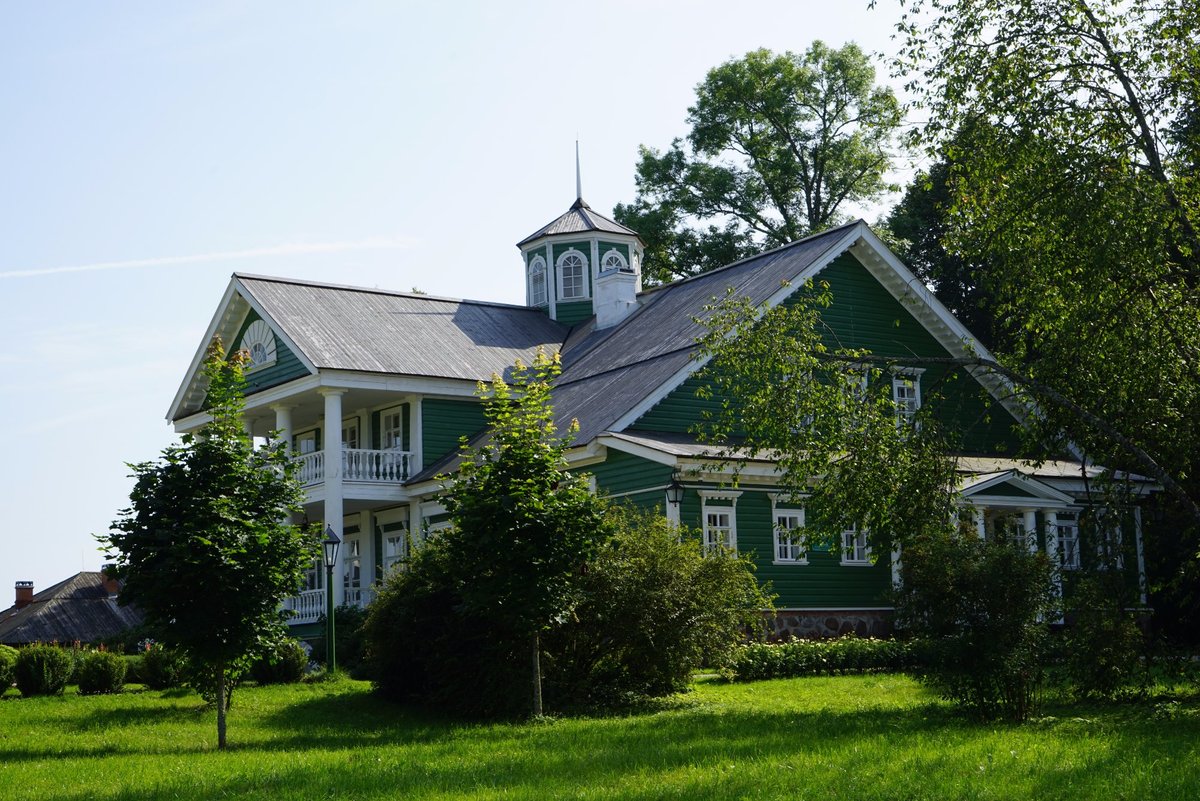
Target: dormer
{"x": 583, "y": 264}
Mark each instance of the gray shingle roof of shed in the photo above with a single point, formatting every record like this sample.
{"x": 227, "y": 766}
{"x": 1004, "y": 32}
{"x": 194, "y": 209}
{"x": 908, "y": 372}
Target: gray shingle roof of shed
{"x": 580, "y": 218}
{"x": 371, "y": 330}
{"x": 78, "y": 608}
{"x": 607, "y": 373}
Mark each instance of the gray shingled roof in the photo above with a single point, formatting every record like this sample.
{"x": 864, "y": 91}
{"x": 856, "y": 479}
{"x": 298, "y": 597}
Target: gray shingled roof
{"x": 607, "y": 373}
{"x": 78, "y": 608}
{"x": 370, "y": 330}
{"x": 580, "y": 218}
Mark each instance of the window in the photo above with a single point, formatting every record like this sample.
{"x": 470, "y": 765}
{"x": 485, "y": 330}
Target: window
{"x": 537, "y": 281}
{"x": 790, "y": 545}
{"x": 395, "y": 550}
{"x": 350, "y": 434}
{"x": 306, "y": 442}
{"x": 572, "y": 275}
{"x": 613, "y": 260}
{"x": 1068, "y": 540}
{"x": 1110, "y": 545}
{"x": 718, "y": 530}
{"x": 854, "y": 547}
{"x": 391, "y": 430}
{"x": 906, "y": 393}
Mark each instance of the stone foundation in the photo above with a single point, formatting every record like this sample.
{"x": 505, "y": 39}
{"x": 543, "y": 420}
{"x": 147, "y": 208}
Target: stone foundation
{"x": 809, "y": 624}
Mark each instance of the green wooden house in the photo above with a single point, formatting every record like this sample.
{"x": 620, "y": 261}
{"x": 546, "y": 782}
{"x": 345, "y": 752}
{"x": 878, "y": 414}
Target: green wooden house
{"x": 373, "y": 389}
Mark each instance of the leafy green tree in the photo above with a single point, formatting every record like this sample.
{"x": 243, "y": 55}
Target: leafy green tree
{"x": 779, "y": 145}
{"x": 204, "y": 548}
{"x": 1071, "y": 127}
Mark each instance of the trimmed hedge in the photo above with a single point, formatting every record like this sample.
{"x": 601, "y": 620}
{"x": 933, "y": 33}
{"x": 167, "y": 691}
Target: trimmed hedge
{"x": 162, "y": 668}
{"x": 43, "y": 669}
{"x": 100, "y": 672}
{"x": 814, "y": 657}
{"x": 284, "y": 663}
{"x": 8, "y": 664}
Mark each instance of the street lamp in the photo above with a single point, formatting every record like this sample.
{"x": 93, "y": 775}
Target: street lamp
{"x": 331, "y": 543}
{"x": 675, "y": 490}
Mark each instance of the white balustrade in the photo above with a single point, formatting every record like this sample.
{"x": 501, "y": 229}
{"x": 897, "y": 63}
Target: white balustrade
{"x": 358, "y": 464}
{"x": 307, "y": 607}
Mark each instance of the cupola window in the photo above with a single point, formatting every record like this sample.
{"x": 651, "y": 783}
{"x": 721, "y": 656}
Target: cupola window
{"x": 537, "y": 281}
{"x": 613, "y": 260}
{"x": 572, "y": 276}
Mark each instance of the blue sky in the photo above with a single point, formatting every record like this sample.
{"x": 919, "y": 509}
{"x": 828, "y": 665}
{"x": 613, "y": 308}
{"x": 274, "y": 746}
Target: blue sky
{"x": 152, "y": 149}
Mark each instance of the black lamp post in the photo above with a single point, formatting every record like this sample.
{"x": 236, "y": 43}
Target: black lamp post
{"x": 331, "y": 543}
{"x": 675, "y": 490}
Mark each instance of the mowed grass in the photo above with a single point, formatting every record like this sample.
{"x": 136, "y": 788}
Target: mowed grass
{"x": 851, "y": 737}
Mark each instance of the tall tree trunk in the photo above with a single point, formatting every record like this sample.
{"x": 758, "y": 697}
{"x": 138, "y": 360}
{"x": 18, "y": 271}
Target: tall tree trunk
{"x": 537, "y": 675}
{"x": 221, "y": 706}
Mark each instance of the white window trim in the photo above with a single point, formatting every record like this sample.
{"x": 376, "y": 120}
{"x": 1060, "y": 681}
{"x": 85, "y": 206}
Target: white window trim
{"x": 623, "y": 263}
{"x": 537, "y": 263}
{"x": 356, "y": 424}
{"x": 792, "y": 510}
{"x": 398, "y": 411}
{"x": 1076, "y": 562}
{"x": 731, "y": 510}
{"x": 583, "y": 275}
{"x": 848, "y": 558}
{"x": 259, "y": 332}
{"x": 899, "y": 375}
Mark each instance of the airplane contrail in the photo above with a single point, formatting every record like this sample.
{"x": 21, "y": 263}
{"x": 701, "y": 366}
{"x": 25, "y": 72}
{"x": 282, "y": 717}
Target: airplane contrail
{"x": 374, "y": 243}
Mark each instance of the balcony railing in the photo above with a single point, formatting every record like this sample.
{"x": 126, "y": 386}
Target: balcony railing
{"x": 309, "y": 605}
{"x": 358, "y": 464}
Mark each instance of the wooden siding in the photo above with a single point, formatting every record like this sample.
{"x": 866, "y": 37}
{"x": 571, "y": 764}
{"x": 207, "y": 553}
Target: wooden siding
{"x": 864, "y": 315}
{"x": 286, "y": 367}
{"x": 621, "y": 473}
{"x": 444, "y": 422}
{"x": 574, "y": 312}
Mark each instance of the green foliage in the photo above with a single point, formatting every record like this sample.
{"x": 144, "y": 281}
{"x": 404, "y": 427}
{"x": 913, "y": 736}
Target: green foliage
{"x": 779, "y": 144}
{"x": 652, "y": 609}
{"x": 283, "y": 663}
{"x": 350, "y": 622}
{"x": 100, "y": 672}
{"x": 816, "y": 657}
{"x": 203, "y": 548}
{"x": 162, "y": 668}
{"x": 978, "y": 609}
{"x": 43, "y": 669}
{"x": 133, "y": 668}
{"x": 1104, "y": 645}
{"x": 460, "y": 627}
{"x": 8, "y": 663}
{"x": 826, "y": 416}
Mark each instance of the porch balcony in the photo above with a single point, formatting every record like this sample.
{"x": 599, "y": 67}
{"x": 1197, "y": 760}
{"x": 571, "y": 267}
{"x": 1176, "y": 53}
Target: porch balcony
{"x": 368, "y": 465}
{"x": 309, "y": 605}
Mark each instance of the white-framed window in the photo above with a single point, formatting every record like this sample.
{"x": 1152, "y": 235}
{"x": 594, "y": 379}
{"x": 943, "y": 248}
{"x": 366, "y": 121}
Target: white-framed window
{"x": 306, "y": 442}
{"x": 1110, "y": 544}
{"x": 395, "y": 550}
{"x": 572, "y": 275}
{"x": 537, "y": 281}
{"x": 906, "y": 393}
{"x": 855, "y": 550}
{"x": 352, "y": 570}
{"x": 350, "y": 438}
{"x": 613, "y": 260}
{"x": 314, "y": 576}
{"x": 718, "y": 511}
{"x": 790, "y": 543}
{"x": 391, "y": 430}
{"x": 1068, "y": 540}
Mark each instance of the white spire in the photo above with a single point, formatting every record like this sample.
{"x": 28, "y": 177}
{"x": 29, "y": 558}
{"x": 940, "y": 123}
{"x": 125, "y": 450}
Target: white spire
{"x": 578, "y": 181}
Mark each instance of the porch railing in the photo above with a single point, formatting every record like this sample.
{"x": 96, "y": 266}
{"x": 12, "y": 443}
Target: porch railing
{"x": 358, "y": 464}
{"x": 309, "y": 605}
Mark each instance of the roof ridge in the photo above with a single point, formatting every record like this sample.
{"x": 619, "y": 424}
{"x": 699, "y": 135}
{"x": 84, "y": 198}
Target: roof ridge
{"x": 379, "y": 291}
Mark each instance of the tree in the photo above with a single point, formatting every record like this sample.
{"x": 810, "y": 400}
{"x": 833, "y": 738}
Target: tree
{"x": 1071, "y": 129}
{"x": 204, "y": 548}
{"x": 779, "y": 145}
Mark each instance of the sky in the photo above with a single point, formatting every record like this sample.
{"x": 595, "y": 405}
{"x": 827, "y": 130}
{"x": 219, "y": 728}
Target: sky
{"x": 151, "y": 149}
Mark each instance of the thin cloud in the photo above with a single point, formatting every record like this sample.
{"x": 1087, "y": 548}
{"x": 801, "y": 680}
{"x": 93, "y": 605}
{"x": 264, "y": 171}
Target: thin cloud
{"x": 298, "y": 249}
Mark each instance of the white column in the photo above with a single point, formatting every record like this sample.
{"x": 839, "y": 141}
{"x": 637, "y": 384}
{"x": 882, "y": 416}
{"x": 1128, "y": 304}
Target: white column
{"x": 896, "y": 567}
{"x": 333, "y": 482}
{"x": 980, "y": 524}
{"x": 1052, "y": 553}
{"x": 1030, "y": 521}
{"x": 672, "y": 511}
{"x": 416, "y": 460}
{"x": 1141, "y": 557}
{"x": 283, "y": 423}
{"x": 551, "y": 282}
{"x": 414, "y": 522}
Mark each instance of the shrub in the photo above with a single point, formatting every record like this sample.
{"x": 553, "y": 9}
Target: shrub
{"x": 978, "y": 609}
{"x": 283, "y": 663}
{"x": 351, "y": 640}
{"x": 162, "y": 668}
{"x": 43, "y": 670}
{"x": 813, "y": 657}
{"x": 8, "y": 663}
{"x": 100, "y": 672}
{"x": 652, "y": 609}
{"x": 133, "y": 669}
{"x": 1103, "y": 643}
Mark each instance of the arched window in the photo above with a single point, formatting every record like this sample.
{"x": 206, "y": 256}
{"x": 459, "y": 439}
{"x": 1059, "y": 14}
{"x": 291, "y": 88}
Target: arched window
{"x": 537, "y": 281}
{"x": 613, "y": 260}
{"x": 572, "y": 275}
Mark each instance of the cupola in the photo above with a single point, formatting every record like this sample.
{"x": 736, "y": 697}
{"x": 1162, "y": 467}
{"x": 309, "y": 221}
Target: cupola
{"x": 583, "y": 264}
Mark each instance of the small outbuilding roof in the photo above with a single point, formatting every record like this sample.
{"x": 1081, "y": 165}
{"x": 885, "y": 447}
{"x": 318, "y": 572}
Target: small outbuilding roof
{"x": 80, "y": 608}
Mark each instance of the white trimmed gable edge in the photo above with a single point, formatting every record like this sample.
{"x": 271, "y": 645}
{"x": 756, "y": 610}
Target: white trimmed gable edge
{"x": 226, "y": 325}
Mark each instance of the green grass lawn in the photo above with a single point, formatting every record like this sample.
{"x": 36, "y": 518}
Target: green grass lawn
{"x": 851, "y": 737}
